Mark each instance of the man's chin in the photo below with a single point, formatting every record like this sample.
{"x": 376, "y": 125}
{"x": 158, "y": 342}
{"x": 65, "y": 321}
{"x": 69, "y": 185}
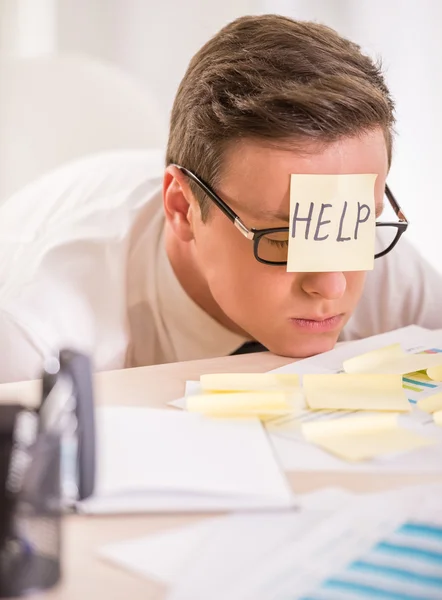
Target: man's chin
{"x": 305, "y": 348}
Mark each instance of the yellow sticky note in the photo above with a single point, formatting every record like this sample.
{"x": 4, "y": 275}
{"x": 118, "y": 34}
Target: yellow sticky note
{"x": 372, "y": 444}
{"x": 392, "y": 359}
{"x": 238, "y": 382}
{"x": 355, "y": 392}
{"x": 435, "y": 373}
{"x": 356, "y": 424}
{"x": 240, "y": 404}
{"x": 437, "y": 416}
{"x": 370, "y": 361}
{"x": 363, "y": 437}
{"x": 415, "y": 362}
{"x": 431, "y": 404}
{"x": 332, "y": 223}
{"x": 420, "y": 376}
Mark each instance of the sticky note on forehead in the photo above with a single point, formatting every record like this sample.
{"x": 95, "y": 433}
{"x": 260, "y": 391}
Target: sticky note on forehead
{"x": 332, "y": 223}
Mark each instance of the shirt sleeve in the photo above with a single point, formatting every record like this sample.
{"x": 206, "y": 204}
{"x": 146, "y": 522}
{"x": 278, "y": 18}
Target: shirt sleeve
{"x": 21, "y": 358}
{"x": 403, "y": 289}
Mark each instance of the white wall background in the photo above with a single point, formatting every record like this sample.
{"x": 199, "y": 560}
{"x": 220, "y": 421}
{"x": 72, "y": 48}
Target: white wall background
{"x": 150, "y": 39}
{"x": 27, "y": 28}
{"x": 155, "y": 40}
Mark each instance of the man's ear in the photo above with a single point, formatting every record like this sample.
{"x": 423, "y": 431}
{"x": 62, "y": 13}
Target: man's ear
{"x": 179, "y": 203}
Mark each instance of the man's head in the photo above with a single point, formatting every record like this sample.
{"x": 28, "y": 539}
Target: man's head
{"x": 265, "y": 98}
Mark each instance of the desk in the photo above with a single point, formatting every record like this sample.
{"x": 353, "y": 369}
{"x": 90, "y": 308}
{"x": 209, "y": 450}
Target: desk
{"x": 85, "y": 576}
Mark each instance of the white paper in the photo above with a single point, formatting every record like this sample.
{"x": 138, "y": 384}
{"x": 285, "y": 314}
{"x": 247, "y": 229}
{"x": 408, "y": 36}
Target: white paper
{"x": 192, "y": 388}
{"x": 295, "y": 566}
{"x": 162, "y": 556}
{"x": 180, "y": 402}
{"x": 176, "y": 461}
{"x": 165, "y": 556}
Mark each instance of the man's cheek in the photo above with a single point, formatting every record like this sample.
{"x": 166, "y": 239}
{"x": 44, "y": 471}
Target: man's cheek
{"x": 236, "y": 296}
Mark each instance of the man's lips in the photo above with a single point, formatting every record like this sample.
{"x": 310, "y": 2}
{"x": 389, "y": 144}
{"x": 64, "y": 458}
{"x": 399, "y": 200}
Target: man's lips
{"x": 318, "y": 323}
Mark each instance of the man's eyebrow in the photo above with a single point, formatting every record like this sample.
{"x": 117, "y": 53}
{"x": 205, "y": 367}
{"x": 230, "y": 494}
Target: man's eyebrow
{"x": 261, "y": 213}
{"x": 274, "y": 215}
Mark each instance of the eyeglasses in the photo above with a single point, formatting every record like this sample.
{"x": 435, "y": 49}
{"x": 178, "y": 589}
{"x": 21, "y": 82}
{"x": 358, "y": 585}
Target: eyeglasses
{"x": 270, "y": 246}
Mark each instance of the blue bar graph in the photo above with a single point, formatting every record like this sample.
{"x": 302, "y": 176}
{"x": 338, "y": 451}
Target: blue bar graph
{"x": 405, "y": 566}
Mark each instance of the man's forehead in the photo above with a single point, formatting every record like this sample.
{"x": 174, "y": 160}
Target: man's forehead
{"x": 256, "y": 177}
{"x": 269, "y": 206}
{"x": 256, "y": 160}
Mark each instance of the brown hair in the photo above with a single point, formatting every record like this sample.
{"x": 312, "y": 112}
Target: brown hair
{"x": 276, "y": 80}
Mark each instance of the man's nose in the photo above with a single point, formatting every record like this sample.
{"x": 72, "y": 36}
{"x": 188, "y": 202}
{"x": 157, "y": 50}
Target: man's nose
{"x": 330, "y": 286}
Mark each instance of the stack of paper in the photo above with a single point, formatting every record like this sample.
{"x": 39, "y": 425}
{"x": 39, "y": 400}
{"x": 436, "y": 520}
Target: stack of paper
{"x": 165, "y": 556}
{"x": 388, "y": 540}
{"x": 161, "y": 460}
{"x": 386, "y": 545}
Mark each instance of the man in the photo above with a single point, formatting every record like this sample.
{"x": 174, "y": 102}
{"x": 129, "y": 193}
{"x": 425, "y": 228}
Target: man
{"x": 135, "y": 275}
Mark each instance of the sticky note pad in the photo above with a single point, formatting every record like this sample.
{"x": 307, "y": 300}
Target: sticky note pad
{"x": 240, "y": 404}
{"x": 238, "y": 382}
{"x": 392, "y": 359}
{"x": 363, "y": 437}
{"x": 360, "y": 423}
{"x": 435, "y": 373}
{"x": 371, "y": 444}
{"x": 370, "y": 361}
{"x": 431, "y": 404}
{"x": 332, "y": 223}
{"x": 355, "y": 392}
{"x": 414, "y": 362}
{"x": 437, "y": 416}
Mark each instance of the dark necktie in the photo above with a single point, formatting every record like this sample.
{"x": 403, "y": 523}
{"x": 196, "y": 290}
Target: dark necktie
{"x": 250, "y": 347}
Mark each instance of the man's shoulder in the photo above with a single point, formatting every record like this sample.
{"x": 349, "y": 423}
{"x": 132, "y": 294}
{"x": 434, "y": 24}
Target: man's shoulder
{"x": 95, "y": 199}
{"x": 77, "y": 189}
{"x": 80, "y": 247}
